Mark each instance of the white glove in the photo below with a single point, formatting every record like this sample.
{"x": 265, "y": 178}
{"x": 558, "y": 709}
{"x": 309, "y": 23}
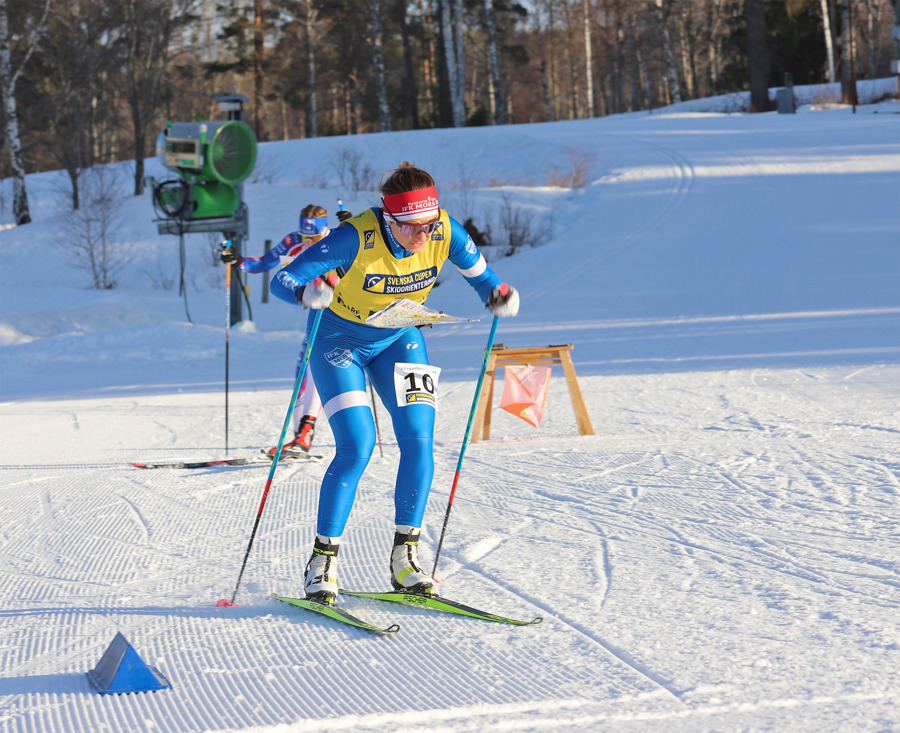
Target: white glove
{"x": 317, "y": 295}
{"x": 503, "y": 301}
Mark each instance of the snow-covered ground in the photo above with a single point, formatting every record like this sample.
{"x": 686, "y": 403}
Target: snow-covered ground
{"x": 721, "y": 555}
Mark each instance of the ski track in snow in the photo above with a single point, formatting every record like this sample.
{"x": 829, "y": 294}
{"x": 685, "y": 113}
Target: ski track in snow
{"x": 742, "y": 514}
{"x": 721, "y": 555}
{"x": 760, "y": 522}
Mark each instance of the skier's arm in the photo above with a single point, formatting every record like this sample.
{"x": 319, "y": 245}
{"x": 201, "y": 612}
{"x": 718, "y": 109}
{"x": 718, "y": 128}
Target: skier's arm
{"x": 470, "y": 262}
{"x": 337, "y": 250}
{"x": 271, "y": 259}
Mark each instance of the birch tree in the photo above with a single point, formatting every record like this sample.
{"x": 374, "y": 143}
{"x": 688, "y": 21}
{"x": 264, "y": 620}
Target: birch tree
{"x": 829, "y": 39}
{"x": 662, "y": 8}
{"x": 9, "y": 76}
{"x": 588, "y": 58}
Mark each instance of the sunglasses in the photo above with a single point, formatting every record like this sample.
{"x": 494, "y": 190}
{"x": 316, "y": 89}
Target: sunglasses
{"x": 412, "y": 230}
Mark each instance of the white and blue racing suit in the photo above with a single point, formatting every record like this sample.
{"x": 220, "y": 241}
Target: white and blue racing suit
{"x": 376, "y": 271}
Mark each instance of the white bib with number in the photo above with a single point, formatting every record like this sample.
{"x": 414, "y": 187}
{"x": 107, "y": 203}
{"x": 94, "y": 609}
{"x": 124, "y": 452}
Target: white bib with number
{"x": 416, "y": 384}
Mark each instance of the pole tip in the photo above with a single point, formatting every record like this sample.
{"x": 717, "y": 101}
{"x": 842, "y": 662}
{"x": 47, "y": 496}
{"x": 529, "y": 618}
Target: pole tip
{"x": 223, "y": 602}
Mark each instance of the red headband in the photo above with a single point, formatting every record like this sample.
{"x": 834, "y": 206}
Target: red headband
{"x": 413, "y": 205}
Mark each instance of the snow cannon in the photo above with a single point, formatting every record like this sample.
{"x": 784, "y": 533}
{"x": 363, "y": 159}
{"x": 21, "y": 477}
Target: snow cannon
{"x": 211, "y": 158}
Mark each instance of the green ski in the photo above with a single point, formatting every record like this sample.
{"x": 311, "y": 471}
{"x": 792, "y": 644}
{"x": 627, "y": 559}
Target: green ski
{"x": 439, "y": 604}
{"x": 337, "y": 613}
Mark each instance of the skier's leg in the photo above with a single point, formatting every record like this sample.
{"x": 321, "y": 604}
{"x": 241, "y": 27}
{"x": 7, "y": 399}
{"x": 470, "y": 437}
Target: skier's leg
{"x": 413, "y": 422}
{"x": 346, "y": 405}
{"x": 308, "y": 404}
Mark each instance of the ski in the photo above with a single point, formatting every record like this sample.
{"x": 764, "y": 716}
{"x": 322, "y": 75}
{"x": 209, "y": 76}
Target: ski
{"x": 439, "y": 604}
{"x": 247, "y": 461}
{"x": 338, "y": 614}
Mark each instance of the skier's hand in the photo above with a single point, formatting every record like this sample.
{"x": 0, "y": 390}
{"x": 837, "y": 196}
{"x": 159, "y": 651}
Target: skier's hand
{"x": 503, "y": 301}
{"x": 317, "y": 294}
{"x": 343, "y": 215}
{"x": 230, "y": 257}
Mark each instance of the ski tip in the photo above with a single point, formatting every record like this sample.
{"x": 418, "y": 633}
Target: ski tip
{"x": 138, "y": 465}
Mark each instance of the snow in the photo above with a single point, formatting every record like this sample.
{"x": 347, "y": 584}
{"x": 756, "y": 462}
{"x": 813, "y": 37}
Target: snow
{"x": 721, "y": 555}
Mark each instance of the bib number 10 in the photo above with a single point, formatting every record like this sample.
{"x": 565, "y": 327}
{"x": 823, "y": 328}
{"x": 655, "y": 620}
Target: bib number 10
{"x": 416, "y": 384}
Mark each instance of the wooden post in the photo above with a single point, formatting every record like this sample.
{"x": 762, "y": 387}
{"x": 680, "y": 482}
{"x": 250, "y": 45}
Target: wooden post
{"x": 501, "y": 356}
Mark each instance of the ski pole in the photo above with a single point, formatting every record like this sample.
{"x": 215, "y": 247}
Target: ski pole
{"x": 462, "y": 450}
{"x": 227, "y": 342}
{"x": 287, "y": 422}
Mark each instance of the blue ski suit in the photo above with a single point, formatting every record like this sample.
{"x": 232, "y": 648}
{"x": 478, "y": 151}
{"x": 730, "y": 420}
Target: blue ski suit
{"x": 377, "y": 271}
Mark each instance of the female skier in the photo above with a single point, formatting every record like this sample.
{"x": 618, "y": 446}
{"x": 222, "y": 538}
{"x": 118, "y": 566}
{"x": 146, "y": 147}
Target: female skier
{"x": 313, "y": 228}
{"x": 382, "y": 255}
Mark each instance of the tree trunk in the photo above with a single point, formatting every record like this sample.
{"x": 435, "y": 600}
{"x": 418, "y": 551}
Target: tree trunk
{"x": 456, "y": 104}
{"x": 545, "y": 81}
{"x": 713, "y": 46}
{"x": 674, "y": 86}
{"x": 147, "y": 28}
{"x": 309, "y": 20}
{"x": 384, "y": 112}
{"x": 688, "y": 64}
{"x": 429, "y": 62}
{"x": 497, "y": 95}
{"x": 829, "y": 39}
{"x": 588, "y": 58}
{"x": 258, "y": 51}
{"x": 757, "y": 55}
{"x": 633, "y": 74}
{"x": 459, "y": 48}
{"x": 8, "y": 79}
{"x": 848, "y": 75}
{"x": 896, "y": 62}
{"x": 412, "y": 91}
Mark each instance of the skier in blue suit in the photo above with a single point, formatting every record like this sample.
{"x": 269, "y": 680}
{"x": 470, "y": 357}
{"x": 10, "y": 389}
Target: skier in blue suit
{"x": 381, "y": 255}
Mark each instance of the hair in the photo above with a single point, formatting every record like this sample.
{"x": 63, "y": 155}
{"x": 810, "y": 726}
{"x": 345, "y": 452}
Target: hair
{"x": 406, "y": 177}
{"x": 313, "y": 211}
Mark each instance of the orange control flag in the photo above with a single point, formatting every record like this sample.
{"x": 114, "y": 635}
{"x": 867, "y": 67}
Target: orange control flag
{"x": 525, "y": 392}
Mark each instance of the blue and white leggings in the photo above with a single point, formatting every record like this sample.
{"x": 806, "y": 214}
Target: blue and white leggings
{"x": 398, "y": 368}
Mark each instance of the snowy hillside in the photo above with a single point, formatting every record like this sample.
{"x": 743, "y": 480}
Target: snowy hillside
{"x": 720, "y": 556}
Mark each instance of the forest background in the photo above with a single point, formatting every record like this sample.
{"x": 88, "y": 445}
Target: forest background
{"x": 88, "y": 82}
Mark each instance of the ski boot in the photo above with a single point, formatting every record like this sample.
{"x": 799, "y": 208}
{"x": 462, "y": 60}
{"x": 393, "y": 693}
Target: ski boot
{"x": 406, "y": 573}
{"x": 320, "y": 582}
{"x": 302, "y": 442}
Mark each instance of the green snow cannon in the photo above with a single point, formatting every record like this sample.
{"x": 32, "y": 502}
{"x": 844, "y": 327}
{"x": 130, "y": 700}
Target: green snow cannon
{"x": 212, "y": 157}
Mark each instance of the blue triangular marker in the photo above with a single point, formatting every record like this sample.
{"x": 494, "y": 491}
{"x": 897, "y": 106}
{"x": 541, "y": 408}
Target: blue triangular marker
{"x": 121, "y": 670}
